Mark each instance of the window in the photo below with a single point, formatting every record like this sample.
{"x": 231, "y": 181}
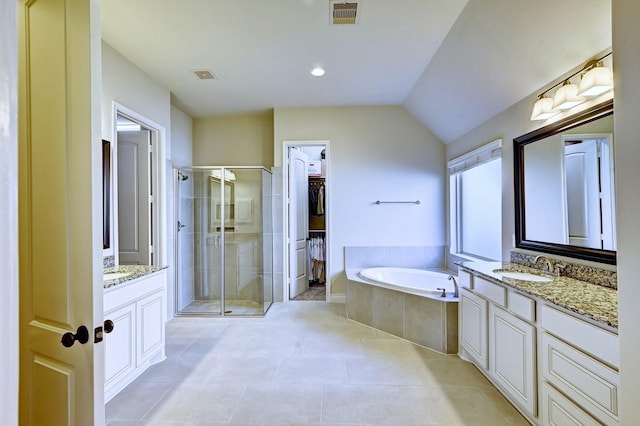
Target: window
{"x": 475, "y": 203}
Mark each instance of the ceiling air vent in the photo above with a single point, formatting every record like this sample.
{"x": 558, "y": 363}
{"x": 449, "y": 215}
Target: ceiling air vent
{"x": 345, "y": 13}
{"x": 204, "y": 74}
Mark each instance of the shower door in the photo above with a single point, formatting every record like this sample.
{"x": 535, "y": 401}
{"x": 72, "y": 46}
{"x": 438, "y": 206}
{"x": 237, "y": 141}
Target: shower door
{"x": 247, "y": 286}
{"x": 224, "y": 243}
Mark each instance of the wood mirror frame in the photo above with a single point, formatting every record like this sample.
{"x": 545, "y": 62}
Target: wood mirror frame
{"x": 519, "y": 143}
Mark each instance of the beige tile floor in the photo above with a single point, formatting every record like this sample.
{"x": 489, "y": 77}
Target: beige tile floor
{"x": 236, "y": 307}
{"x": 305, "y": 363}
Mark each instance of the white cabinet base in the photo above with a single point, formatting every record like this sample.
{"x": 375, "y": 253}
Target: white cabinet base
{"x": 137, "y": 309}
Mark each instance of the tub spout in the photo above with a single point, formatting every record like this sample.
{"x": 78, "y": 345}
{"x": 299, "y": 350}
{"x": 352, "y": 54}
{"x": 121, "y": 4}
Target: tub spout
{"x": 455, "y": 286}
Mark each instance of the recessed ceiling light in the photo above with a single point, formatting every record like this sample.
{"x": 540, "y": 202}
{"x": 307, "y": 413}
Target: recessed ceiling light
{"x": 317, "y": 72}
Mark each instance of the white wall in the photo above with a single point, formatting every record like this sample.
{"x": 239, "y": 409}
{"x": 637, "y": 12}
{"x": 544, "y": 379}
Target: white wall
{"x": 513, "y": 122}
{"x": 8, "y": 214}
{"x": 181, "y": 138}
{"x": 127, "y": 85}
{"x": 377, "y": 153}
{"x": 626, "y": 34}
{"x": 181, "y": 156}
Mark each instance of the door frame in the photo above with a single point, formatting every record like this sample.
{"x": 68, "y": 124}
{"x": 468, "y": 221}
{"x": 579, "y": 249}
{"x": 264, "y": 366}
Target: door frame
{"x": 159, "y": 215}
{"x": 286, "y": 144}
{"x": 9, "y": 302}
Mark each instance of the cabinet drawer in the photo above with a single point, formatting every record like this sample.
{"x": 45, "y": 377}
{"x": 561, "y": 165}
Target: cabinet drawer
{"x": 589, "y": 338}
{"x": 559, "y": 410}
{"x": 491, "y": 291}
{"x": 588, "y": 382}
{"x": 465, "y": 279}
{"x": 522, "y": 306}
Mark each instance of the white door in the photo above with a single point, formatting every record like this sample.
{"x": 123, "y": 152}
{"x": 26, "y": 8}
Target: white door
{"x": 298, "y": 221}
{"x": 134, "y": 197}
{"x": 59, "y": 180}
{"x": 583, "y": 194}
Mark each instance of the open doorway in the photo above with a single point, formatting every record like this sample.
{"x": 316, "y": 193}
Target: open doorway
{"x": 136, "y": 202}
{"x": 307, "y": 213}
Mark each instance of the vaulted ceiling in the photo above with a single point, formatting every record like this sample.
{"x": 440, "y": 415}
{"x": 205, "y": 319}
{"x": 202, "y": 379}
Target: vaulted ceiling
{"x": 453, "y": 64}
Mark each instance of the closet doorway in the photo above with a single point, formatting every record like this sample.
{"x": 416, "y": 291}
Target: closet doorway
{"x": 307, "y": 212}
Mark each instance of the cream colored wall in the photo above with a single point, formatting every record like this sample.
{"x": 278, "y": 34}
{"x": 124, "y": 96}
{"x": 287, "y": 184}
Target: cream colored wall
{"x": 243, "y": 140}
{"x": 626, "y": 33}
{"x": 376, "y": 153}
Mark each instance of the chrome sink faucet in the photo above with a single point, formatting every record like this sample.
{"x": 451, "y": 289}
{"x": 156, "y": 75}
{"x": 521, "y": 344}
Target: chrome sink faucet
{"x": 550, "y": 268}
{"x": 455, "y": 286}
{"x": 548, "y": 263}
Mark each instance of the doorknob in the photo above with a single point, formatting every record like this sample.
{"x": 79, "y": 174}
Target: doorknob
{"x": 82, "y": 336}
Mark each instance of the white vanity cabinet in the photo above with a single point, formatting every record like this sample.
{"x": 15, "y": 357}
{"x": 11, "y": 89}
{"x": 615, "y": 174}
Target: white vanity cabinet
{"x": 137, "y": 309}
{"x": 498, "y": 335}
{"x": 556, "y": 367}
{"x": 579, "y": 364}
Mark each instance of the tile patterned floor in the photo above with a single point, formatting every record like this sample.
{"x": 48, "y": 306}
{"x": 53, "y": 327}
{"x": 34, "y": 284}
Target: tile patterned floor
{"x": 305, "y": 363}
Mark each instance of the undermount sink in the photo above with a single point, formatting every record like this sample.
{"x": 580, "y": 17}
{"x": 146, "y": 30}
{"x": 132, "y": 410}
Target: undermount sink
{"x": 114, "y": 275}
{"x": 523, "y": 276}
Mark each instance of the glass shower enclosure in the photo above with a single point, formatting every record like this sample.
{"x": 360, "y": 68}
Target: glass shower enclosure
{"x": 224, "y": 241}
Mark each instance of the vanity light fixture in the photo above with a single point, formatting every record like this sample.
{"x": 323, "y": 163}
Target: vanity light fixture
{"x": 566, "y": 96}
{"x": 596, "y": 79}
{"x": 543, "y": 109}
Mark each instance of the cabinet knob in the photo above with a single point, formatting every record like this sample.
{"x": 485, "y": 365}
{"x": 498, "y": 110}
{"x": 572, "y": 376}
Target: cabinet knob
{"x": 108, "y": 326}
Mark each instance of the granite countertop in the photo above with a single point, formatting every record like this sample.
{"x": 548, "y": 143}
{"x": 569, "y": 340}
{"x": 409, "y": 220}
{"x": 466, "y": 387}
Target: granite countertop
{"x": 592, "y": 301}
{"x": 132, "y": 272}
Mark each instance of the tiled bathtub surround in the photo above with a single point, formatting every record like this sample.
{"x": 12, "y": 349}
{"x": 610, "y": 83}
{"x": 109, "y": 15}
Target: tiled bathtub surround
{"x": 590, "y": 274}
{"x": 428, "y": 322}
{"x": 420, "y": 257}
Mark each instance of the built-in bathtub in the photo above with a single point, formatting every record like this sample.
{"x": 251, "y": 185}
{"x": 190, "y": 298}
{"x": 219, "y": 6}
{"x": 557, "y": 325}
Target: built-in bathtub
{"x": 406, "y": 302}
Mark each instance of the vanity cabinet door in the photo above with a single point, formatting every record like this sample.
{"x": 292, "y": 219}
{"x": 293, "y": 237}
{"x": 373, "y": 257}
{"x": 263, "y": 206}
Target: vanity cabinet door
{"x": 120, "y": 346}
{"x": 150, "y": 326}
{"x": 512, "y": 357}
{"x": 473, "y": 327}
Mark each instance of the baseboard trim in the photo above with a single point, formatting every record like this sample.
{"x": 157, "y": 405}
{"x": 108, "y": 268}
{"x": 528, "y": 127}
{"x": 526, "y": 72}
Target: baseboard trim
{"x": 338, "y": 298}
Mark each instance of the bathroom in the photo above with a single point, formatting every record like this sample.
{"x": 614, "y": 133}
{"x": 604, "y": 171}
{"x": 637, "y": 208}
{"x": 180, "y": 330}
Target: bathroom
{"x": 363, "y": 168}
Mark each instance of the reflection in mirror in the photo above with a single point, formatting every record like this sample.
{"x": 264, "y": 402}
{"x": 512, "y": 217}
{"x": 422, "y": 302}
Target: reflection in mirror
{"x": 565, "y": 201}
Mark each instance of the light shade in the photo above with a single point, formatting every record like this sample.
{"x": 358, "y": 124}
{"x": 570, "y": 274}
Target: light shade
{"x": 543, "y": 109}
{"x": 566, "y": 97}
{"x": 317, "y": 72}
{"x": 596, "y": 81}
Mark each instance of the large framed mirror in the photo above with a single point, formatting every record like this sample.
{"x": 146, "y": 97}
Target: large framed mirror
{"x": 564, "y": 187}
